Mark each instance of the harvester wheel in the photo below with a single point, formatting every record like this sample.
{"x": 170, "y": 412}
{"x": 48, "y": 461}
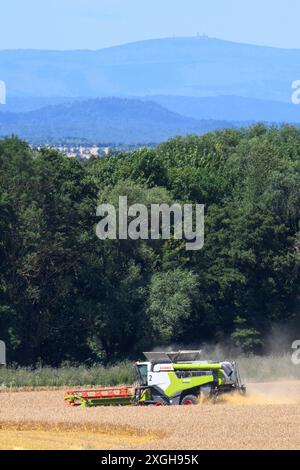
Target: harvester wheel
{"x": 159, "y": 401}
{"x": 189, "y": 400}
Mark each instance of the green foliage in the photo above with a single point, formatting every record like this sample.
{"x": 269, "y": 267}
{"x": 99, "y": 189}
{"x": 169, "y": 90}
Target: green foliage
{"x": 67, "y": 296}
{"x": 246, "y": 338}
{"x": 170, "y": 303}
{"x": 73, "y": 376}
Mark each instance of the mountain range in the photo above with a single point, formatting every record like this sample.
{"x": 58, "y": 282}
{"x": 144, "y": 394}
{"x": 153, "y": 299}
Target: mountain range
{"x": 146, "y": 91}
{"x": 192, "y": 66}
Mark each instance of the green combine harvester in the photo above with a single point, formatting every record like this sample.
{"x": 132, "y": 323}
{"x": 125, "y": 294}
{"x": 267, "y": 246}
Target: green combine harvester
{"x": 168, "y": 378}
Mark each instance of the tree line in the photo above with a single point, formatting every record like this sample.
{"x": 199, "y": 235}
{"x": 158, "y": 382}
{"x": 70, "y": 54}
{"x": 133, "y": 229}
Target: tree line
{"x": 67, "y": 296}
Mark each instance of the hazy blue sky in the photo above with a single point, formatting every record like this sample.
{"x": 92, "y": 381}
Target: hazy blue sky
{"x": 93, "y": 24}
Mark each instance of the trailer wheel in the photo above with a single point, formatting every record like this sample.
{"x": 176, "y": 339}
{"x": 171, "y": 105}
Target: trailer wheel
{"x": 189, "y": 400}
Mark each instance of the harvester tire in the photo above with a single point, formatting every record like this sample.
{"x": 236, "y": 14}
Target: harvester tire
{"x": 159, "y": 401}
{"x": 189, "y": 400}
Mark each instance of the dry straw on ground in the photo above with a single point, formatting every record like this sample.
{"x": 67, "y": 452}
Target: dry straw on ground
{"x": 268, "y": 418}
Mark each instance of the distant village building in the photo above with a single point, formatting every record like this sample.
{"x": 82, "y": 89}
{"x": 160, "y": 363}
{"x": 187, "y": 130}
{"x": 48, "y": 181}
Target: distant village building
{"x": 83, "y": 152}
{"x": 95, "y": 151}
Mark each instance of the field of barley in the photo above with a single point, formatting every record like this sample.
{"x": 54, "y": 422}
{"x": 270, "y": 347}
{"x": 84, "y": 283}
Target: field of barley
{"x": 267, "y": 418}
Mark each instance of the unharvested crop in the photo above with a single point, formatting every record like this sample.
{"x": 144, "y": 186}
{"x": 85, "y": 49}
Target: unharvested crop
{"x": 268, "y": 418}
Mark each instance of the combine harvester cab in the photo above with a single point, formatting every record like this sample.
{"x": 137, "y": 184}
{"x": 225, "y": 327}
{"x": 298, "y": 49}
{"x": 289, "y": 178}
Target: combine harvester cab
{"x": 168, "y": 378}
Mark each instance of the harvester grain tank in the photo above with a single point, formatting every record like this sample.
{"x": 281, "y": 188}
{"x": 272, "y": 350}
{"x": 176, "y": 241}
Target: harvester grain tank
{"x": 168, "y": 378}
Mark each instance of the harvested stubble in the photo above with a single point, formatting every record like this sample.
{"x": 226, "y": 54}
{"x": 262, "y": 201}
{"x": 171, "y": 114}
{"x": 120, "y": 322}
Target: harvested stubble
{"x": 268, "y": 418}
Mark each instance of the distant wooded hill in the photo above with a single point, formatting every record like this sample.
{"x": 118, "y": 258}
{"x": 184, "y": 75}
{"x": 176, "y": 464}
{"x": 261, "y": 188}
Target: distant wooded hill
{"x": 104, "y": 120}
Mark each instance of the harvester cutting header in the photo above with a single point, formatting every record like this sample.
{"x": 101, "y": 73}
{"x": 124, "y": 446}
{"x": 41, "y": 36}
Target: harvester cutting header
{"x": 168, "y": 378}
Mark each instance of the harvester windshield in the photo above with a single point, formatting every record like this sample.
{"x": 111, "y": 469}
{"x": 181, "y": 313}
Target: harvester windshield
{"x": 142, "y": 372}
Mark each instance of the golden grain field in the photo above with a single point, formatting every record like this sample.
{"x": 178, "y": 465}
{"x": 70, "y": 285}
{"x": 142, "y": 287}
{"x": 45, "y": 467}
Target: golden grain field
{"x": 268, "y": 418}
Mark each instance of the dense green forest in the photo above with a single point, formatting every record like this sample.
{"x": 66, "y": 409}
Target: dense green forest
{"x": 67, "y": 296}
